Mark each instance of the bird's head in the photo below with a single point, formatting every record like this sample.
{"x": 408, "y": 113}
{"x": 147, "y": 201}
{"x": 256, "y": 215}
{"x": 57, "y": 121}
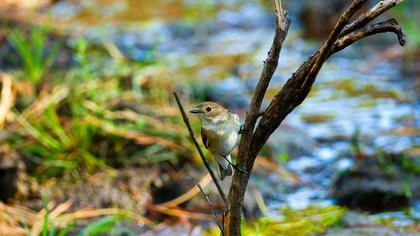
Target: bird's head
{"x": 210, "y": 112}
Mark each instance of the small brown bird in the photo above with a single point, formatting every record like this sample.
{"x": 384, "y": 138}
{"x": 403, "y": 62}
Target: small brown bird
{"x": 219, "y": 132}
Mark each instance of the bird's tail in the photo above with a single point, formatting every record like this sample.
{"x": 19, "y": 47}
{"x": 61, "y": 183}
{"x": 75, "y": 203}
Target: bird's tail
{"x": 225, "y": 168}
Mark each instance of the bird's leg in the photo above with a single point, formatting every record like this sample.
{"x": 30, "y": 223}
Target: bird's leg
{"x": 242, "y": 130}
{"x": 235, "y": 166}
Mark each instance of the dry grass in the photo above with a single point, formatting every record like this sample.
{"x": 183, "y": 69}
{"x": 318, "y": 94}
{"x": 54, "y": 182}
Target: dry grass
{"x": 18, "y": 220}
{"x": 7, "y": 97}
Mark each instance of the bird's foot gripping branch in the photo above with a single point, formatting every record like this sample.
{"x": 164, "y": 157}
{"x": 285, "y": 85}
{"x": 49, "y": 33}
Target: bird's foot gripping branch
{"x": 348, "y": 29}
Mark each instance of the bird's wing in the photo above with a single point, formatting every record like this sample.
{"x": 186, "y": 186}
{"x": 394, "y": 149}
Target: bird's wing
{"x": 204, "y": 138}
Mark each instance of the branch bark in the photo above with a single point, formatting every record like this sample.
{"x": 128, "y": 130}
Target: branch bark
{"x": 390, "y": 25}
{"x": 367, "y": 17}
{"x": 240, "y": 180}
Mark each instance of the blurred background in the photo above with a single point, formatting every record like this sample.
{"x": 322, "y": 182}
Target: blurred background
{"x": 92, "y": 143}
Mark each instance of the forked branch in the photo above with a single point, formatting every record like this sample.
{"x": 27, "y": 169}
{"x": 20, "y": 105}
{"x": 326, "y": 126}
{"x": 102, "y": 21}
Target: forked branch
{"x": 299, "y": 85}
{"x": 390, "y": 25}
{"x": 367, "y": 17}
{"x": 296, "y": 89}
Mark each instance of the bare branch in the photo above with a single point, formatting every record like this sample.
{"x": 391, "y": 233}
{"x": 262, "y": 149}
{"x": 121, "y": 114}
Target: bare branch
{"x": 298, "y": 86}
{"x": 279, "y": 10}
{"x": 239, "y": 180}
{"x": 326, "y": 47}
{"x": 390, "y": 25}
{"x": 367, "y": 17}
{"x": 270, "y": 66}
{"x": 197, "y": 145}
{"x": 216, "y": 219}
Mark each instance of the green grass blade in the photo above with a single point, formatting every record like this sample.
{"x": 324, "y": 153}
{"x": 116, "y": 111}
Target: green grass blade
{"x": 38, "y": 38}
{"x": 55, "y": 125}
{"x": 67, "y": 229}
{"x": 45, "y": 222}
{"x": 42, "y": 137}
{"x": 52, "y": 54}
{"x": 100, "y": 226}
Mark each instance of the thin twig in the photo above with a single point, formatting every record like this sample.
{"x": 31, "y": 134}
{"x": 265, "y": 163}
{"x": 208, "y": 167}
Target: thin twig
{"x": 367, "y": 17}
{"x": 279, "y": 9}
{"x": 216, "y": 219}
{"x": 197, "y": 145}
{"x": 390, "y": 25}
{"x": 328, "y": 44}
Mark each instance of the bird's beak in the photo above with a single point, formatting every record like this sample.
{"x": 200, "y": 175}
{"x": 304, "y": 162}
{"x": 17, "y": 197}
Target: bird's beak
{"x": 195, "y": 110}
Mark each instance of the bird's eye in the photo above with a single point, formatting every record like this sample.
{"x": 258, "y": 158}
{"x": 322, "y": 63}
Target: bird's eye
{"x": 208, "y": 109}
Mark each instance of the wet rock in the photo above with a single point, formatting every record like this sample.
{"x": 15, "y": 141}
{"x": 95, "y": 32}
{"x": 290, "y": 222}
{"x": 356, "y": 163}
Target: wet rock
{"x": 378, "y": 183}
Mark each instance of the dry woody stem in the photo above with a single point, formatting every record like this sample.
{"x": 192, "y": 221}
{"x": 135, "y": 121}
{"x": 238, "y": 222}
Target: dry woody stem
{"x": 216, "y": 219}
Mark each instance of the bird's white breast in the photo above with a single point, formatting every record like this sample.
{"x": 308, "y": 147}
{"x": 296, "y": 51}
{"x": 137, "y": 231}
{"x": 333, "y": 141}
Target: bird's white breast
{"x": 225, "y": 136}
{"x": 232, "y": 139}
